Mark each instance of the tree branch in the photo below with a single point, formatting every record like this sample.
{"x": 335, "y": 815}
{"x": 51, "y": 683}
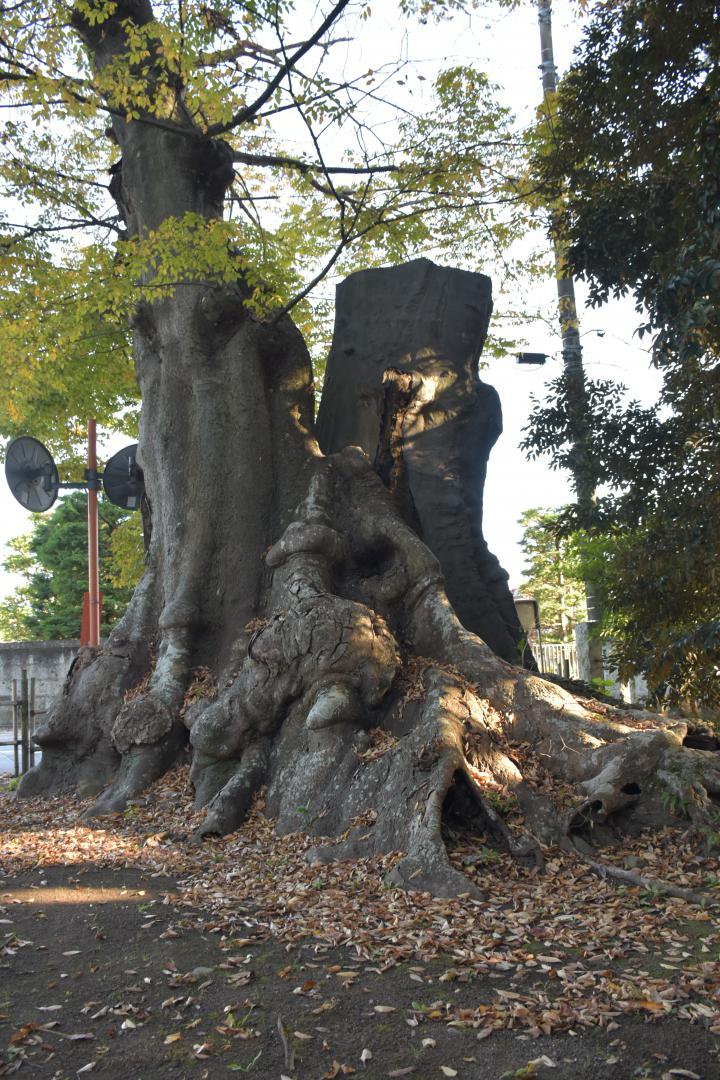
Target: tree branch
{"x": 234, "y": 52}
{"x": 346, "y": 238}
{"x": 246, "y": 47}
{"x": 279, "y": 160}
{"x": 249, "y": 111}
{"x": 24, "y": 232}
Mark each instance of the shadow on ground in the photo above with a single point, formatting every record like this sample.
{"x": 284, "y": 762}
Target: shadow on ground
{"x": 101, "y": 973}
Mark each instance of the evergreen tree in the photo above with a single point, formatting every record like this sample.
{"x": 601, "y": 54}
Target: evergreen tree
{"x": 630, "y": 161}
{"x": 552, "y": 574}
{"x": 54, "y": 560}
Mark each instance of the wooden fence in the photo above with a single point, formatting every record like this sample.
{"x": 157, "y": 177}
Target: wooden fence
{"x": 559, "y": 659}
{"x": 24, "y": 716}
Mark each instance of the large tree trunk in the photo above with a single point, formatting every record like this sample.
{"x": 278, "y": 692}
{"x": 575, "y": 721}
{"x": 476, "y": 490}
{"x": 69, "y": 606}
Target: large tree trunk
{"x": 292, "y": 625}
{"x": 402, "y": 383}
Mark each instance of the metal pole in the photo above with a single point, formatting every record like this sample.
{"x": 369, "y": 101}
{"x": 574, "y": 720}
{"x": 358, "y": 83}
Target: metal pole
{"x": 32, "y": 722}
{"x": 583, "y": 477}
{"x": 25, "y": 720}
{"x": 15, "y": 727}
{"x": 93, "y": 566}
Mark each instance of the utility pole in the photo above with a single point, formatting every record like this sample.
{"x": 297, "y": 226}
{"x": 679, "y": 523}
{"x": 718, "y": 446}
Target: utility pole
{"x": 583, "y": 477}
{"x": 93, "y": 566}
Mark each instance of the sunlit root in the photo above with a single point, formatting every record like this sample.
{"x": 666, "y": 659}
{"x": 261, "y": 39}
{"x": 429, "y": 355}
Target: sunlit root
{"x": 375, "y": 721}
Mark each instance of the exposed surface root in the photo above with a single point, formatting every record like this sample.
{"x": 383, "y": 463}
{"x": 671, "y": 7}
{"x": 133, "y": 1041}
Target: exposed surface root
{"x": 368, "y": 743}
{"x": 76, "y": 736}
{"x": 228, "y": 808}
{"x": 139, "y": 767}
{"x": 650, "y": 884}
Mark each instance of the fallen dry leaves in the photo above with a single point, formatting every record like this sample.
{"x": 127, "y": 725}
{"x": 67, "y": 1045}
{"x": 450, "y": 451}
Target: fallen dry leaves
{"x": 601, "y": 951}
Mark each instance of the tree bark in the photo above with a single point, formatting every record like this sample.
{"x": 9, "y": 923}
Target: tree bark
{"x": 293, "y": 625}
{"x": 402, "y": 382}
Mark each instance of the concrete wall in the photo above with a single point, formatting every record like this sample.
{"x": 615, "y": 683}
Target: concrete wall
{"x": 45, "y": 661}
{"x": 635, "y": 691}
{"x": 593, "y": 663}
{"x": 589, "y": 652}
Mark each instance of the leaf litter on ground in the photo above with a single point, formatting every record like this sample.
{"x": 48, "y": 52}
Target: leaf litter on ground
{"x": 578, "y": 952}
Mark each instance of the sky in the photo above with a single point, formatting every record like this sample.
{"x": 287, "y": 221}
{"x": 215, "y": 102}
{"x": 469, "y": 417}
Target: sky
{"x": 506, "y": 44}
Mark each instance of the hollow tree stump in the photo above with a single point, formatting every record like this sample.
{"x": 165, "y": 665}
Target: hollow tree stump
{"x": 402, "y": 383}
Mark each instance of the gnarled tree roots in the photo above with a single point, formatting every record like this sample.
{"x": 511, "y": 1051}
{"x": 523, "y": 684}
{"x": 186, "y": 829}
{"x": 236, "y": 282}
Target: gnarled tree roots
{"x": 359, "y": 738}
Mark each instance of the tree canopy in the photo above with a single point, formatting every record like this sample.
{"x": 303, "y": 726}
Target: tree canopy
{"x": 53, "y": 559}
{"x": 552, "y": 574}
{"x": 629, "y": 156}
{"x": 338, "y": 162}
{"x": 629, "y": 159}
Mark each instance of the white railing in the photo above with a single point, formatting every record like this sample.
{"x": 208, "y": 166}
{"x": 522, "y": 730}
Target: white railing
{"x": 556, "y": 658}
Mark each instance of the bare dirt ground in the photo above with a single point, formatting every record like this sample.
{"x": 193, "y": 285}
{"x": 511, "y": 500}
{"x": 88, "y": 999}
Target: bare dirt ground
{"x": 127, "y": 951}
